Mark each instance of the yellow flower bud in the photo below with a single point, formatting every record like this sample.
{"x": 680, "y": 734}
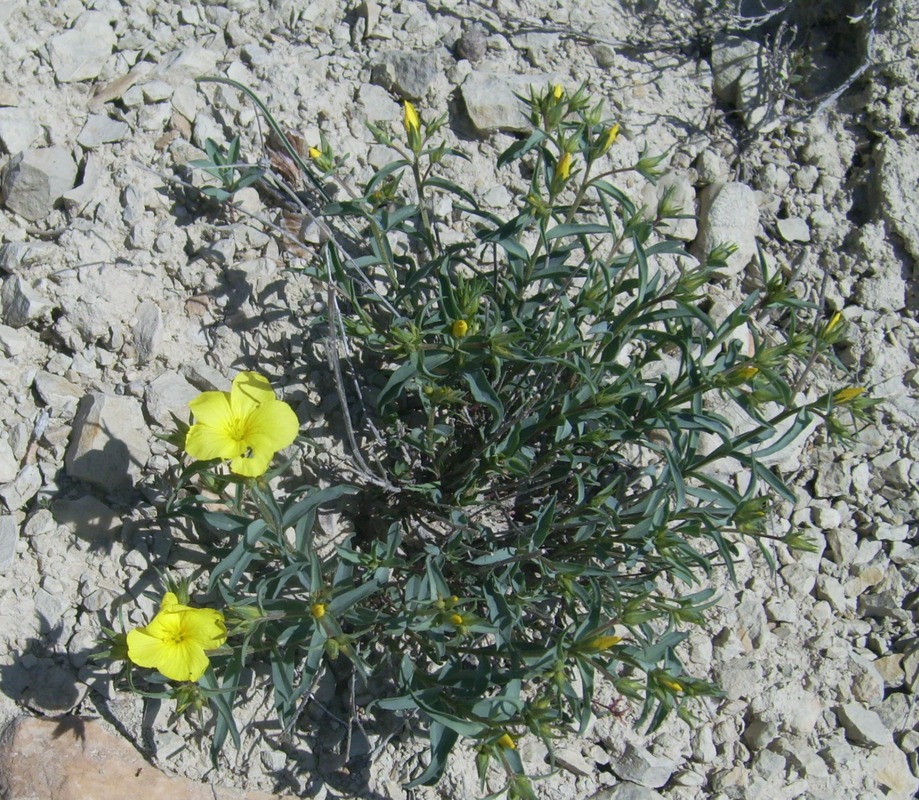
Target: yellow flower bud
{"x": 834, "y": 323}
{"x": 604, "y": 642}
{"x": 747, "y": 372}
{"x": 410, "y": 120}
{"x": 317, "y": 610}
{"x": 847, "y": 395}
{"x": 609, "y": 138}
{"x": 457, "y": 619}
{"x": 315, "y": 153}
{"x": 673, "y": 685}
{"x": 506, "y": 741}
{"x": 563, "y": 167}
{"x": 557, "y": 92}
{"x": 460, "y": 328}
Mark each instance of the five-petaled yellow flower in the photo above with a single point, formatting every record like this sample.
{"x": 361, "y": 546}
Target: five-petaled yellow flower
{"x": 246, "y": 425}
{"x": 176, "y": 640}
{"x": 410, "y": 119}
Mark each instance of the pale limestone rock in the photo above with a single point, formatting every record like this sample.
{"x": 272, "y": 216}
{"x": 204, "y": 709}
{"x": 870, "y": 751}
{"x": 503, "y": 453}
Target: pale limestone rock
{"x": 728, "y": 214}
{"x": 80, "y": 53}
{"x": 109, "y": 446}
{"x": 76, "y": 759}
{"x": 35, "y": 179}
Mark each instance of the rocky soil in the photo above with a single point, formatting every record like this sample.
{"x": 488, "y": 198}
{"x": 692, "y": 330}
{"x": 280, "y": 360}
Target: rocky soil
{"x": 123, "y": 296}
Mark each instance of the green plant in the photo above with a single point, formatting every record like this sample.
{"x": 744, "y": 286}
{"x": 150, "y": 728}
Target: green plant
{"x": 223, "y": 164}
{"x": 533, "y": 490}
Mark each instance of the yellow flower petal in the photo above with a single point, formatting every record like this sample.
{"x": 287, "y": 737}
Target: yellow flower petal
{"x": 203, "y": 442}
{"x": 271, "y": 427}
{"x": 250, "y": 390}
{"x": 205, "y": 627}
{"x": 183, "y": 661}
{"x": 506, "y": 741}
{"x": 212, "y": 408}
{"x": 410, "y": 119}
{"x": 250, "y": 466}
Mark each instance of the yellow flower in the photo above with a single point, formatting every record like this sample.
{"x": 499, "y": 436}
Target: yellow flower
{"x": 557, "y": 92}
{"x": 317, "y": 610}
{"x": 847, "y": 395}
{"x": 609, "y": 138}
{"x": 460, "y": 328}
{"x": 601, "y": 643}
{"x": 410, "y": 120}
{"x": 246, "y": 425}
{"x": 834, "y": 323}
{"x": 506, "y": 741}
{"x": 175, "y": 641}
{"x": 315, "y": 153}
{"x": 563, "y": 167}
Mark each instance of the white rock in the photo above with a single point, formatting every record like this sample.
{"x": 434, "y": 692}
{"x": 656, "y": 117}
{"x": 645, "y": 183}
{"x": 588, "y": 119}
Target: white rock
{"x": 89, "y": 519}
{"x": 109, "y": 445}
{"x": 35, "y": 179}
{"x": 166, "y": 395}
{"x": 407, "y": 74}
{"x": 891, "y": 769}
{"x": 490, "y": 100}
{"x": 794, "y": 229}
{"x": 21, "y": 303}
{"x": 728, "y": 214}
{"x": 898, "y": 185}
{"x": 148, "y": 331}
{"x": 101, "y": 129}
{"x": 731, "y": 56}
{"x": 9, "y": 536}
{"x": 641, "y": 766}
{"x": 9, "y": 464}
{"x": 80, "y": 53}
{"x": 17, "y": 129}
{"x": 627, "y": 791}
{"x": 863, "y": 726}
{"x": 22, "y": 488}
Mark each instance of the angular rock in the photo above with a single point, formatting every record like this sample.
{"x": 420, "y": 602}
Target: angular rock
{"x": 863, "y": 727}
{"x": 407, "y": 74}
{"x": 89, "y": 519}
{"x": 473, "y": 44}
{"x": 166, "y": 395}
{"x": 728, "y": 214}
{"x": 80, "y": 53}
{"x": 71, "y": 758}
{"x": 898, "y": 179}
{"x": 572, "y": 760}
{"x": 35, "y": 179}
{"x": 148, "y": 331}
{"x": 109, "y": 445}
{"x": 181, "y": 66}
{"x": 490, "y": 100}
{"x": 9, "y": 464}
{"x": 9, "y": 536}
{"x": 794, "y": 229}
{"x": 627, "y": 791}
{"x": 21, "y": 303}
{"x": 101, "y": 129}
{"x": 58, "y": 393}
{"x": 731, "y": 57}
{"x": 22, "y": 488}
{"x": 641, "y": 766}
{"x": 890, "y": 768}
{"x": 17, "y": 130}
{"x": 890, "y": 669}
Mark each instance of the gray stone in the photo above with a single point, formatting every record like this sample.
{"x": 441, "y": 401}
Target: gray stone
{"x": 181, "y": 66}
{"x": 58, "y": 393}
{"x": 898, "y": 712}
{"x": 9, "y": 536}
{"x": 109, "y": 445}
{"x": 728, "y": 214}
{"x": 473, "y": 44}
{"x": 627, "y": 791}
{"x": 22, "y": 488}
{"x": 21, "y": 303}
{"x": 574, "y": 761}
{"x": 731, "y": 57}
{"x": 89, "y": 519}
{"x": 80, "y": 53}
{"x": 35, "y": 179}
{"x": 490, "y": 100}
{"x": 863, "y": 726}
{"x": 9, "y": 464}
{"x": 911, "y": 671}
{"x": 407, "y": 74}
{"x": 168, "y": 394}
{"x": 759, "y": 734}
{"x": 604, "y": 55}
{"x": 17, "y": 129}
{"x": 882, "y": 605}
{"x": 641, "y": 766}
{"x": 101, "y": 129}
{"x": 148, "y": 331}
{"x": 898, "y": 176}
{"x": 890, "y": 768}
{"x": 891, "y": 670}
{"x": 867, "y": 682}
